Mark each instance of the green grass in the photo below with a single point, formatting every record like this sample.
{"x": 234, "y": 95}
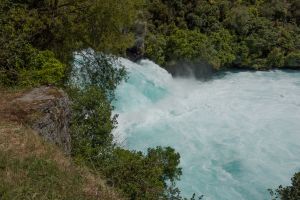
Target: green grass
{"x": 37, "y": 178}
{"x": 30, "y": 169}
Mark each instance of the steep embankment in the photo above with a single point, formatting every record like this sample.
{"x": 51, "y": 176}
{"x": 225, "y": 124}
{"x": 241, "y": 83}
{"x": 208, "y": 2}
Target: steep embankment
{"x": 32, "y": 167}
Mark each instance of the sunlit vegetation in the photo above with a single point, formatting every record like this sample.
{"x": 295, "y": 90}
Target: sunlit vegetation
{"x": 260, "y": 35}
{"x": 39, "y": 38}
{"x": 38, "y": 42}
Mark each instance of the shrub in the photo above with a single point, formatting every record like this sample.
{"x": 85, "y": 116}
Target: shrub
{"x": 91, "y": 124}
{"x": 292, "y": 60}
{"x": 190, "y": 45}
{"x": 31, "y": 67}
{"x": 143, "y": 176}
{"x": 289, "y": 192}
{"x": 42, "y": 68}
{"x": 98, "y": 70}
{"x": 223, "y": 43}
{"x": 275, "y": 58}
{"x": 156, "y": 47}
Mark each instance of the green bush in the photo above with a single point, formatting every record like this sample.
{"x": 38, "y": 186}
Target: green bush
{"x": 91, "y": 124}
{"x": 156, "y": 47}
{"x": 289, "y": 192}
{"x": 143, "y": 176}
{"x": 98, "y": 70}
{"x": 190, "y": 45}
{"x": 31, "y": 67}
{"x": 275, "y": 58}
{"x": 224, "y": 43}
{"x": 42, "y": 68}
{"x": 292, "y": 60}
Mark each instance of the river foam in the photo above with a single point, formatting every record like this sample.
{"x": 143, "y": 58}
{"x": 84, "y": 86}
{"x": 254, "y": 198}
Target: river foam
{"x": 238, "y": 134}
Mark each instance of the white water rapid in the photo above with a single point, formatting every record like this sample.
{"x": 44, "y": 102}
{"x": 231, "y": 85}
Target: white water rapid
{"x": 238, "y": 134}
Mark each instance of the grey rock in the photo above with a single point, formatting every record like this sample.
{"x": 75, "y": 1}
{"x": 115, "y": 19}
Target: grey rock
{"x": 138, "y": 50}
{"x": 47, "y": 111}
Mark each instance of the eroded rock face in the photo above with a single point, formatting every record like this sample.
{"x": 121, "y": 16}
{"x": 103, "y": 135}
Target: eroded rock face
{"x": 47, "y": 111}
{"x": 137, "y": 52}
{"x": 196, "y": 69}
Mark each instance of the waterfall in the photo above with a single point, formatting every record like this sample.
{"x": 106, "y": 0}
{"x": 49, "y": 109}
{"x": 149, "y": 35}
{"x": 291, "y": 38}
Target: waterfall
{"x": 238, "y": 134}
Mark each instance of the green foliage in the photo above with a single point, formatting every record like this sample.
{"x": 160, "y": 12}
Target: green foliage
{"x": 104, "y": 24}
{"x": 25, "y": 23}
{"x": 191, "y": 45}
{"x": 91, "y": 123}
{"x": 99, "y": 70}
{"x": 293, "y": 59}
{"x": 38, "y": 41}
{"x": 156, "y": 47}
{"x": 188, "y": 45}
{"x": 289, "y": 192}
{"x": 223, "y": 42}
{"x": 242, "y": 55}
{"x": 143, "y": 176}
{"x": 62, "y": 27}
{"x": 168, "y": 160}
{"x": 137, "y": 175}
{"x": 42, "y": 68}
{"x": 31, "y": 67}
{"x": 244, "y": 34}
{"x": 204, "y": 15}
{"x": 275, "y": 58}
{"x": 240, "y": 19}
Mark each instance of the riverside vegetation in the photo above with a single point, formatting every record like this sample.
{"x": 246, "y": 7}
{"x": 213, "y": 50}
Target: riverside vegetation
{"x": 256, "y": 34}
{"x": 39, "y": 38}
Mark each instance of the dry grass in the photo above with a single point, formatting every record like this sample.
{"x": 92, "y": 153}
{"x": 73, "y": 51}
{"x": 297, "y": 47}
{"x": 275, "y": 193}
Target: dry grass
{"x": 6, "y": 109}
{"x": 28, "y": 164}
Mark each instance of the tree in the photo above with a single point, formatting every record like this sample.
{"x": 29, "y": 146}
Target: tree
{"x": 97, "y": 70}
{"x": 63, "y": 27}
{"x": 289, "y": 192}
{"x": 156, "y": 47}
{"x": 91, "y": 124}
{"x": 243, "y": 34}
{"x": 224, "y": 43}
{"x": 143, "y": 176}
{"x": 190, "y": 45}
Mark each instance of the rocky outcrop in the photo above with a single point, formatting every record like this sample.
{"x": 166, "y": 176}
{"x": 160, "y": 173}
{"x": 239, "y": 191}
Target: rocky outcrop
{"x": 47, "y": 111}
{"x": 196, "y": 69}
{"x": 138, "y": 50}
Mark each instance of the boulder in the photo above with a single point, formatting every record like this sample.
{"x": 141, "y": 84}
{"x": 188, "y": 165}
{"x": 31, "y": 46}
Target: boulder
{"x": 46, "y": 110}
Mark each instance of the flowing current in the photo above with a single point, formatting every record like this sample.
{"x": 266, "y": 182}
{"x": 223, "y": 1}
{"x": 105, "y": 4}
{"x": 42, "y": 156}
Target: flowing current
{"x": 238, "y": 134}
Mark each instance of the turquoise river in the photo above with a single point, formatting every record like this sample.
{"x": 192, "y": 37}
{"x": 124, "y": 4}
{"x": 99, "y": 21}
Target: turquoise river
{"x": 238, "y": 134}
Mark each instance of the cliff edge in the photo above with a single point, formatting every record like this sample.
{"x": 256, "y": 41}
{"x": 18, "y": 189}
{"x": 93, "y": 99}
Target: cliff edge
{"x": 34, "y": 141}
{"x": 45, "y": 109}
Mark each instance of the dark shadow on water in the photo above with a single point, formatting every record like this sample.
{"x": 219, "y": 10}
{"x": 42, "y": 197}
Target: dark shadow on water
{"x": 203, "y": 71}
{"x": 196, "y": 69}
